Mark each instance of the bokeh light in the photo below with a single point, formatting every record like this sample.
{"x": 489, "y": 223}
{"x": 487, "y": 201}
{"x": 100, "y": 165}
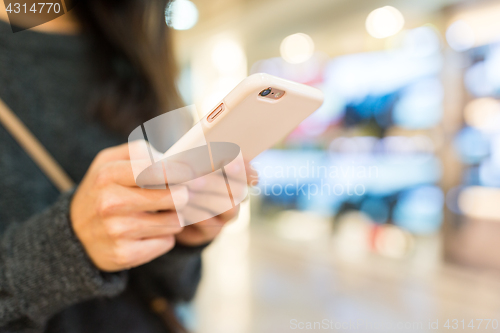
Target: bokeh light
{"x": 483, "y": 114}
{"x": 420, "y": 105}
{"x": 480, "y": 202}
{"x": 421, "y": 42}
{"x": 302, "y": 226}
{"x": 228, "y": 55}
{"x": 392, "y": 242}
{"x": 181, "y": 14}
{"x": 297, "y": 48}
{"x": 460, "y": 36}
{"x": 384, "y": 22}
{"x": 419, "y": 210}
{"x": 472, "y": 145}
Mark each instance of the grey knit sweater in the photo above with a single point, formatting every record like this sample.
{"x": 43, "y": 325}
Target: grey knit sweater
{"x": 47, "y": 282}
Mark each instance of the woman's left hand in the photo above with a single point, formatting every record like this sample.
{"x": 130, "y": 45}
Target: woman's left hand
{"x": 205, "y": 231}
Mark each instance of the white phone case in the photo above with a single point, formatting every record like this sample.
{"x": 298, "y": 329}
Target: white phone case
{"x": 251, "y": 121}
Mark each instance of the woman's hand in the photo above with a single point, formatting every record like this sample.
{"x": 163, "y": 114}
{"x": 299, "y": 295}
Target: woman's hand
{"x": 119, "y": 224}
{"x": 205, "y": 231}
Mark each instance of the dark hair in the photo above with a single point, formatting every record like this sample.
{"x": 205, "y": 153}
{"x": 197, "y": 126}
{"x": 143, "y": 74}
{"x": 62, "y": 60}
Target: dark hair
{"x": 133, "y": 55}
{"x": 136, "y": 73}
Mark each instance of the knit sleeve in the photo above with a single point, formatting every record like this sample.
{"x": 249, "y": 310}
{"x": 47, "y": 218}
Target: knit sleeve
{"x": 44, "y": 269}
{"x": 174, "y": 275}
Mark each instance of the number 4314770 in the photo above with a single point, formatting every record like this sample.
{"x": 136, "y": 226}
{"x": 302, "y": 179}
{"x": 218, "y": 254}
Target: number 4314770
{"x": 473, "y": 324}
{"x": 36, "y": 8}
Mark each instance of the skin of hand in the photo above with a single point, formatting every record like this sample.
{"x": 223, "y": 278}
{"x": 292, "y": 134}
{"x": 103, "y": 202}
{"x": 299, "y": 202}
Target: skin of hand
{"x": 112, "y": 217}
{"x": 205, "y": 231}
{"x": 122, "y": 225}
{"x": 119, "y": 224}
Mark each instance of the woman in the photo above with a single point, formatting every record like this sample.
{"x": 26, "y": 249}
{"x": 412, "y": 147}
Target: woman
{"x": 91, "y": 260}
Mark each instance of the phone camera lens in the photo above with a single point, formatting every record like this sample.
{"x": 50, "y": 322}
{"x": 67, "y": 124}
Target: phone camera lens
{"x": 265, "y": 92}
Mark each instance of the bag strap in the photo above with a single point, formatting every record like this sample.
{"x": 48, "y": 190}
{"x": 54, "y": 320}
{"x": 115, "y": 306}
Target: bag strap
{"x": 35, "y": 149}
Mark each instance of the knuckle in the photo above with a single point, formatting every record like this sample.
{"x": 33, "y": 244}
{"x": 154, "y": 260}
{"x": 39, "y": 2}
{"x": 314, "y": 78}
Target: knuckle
{"x": 103, "y": 153}
{"x": 122, "y": 257}
{"x": 169, "y": 242}
{"x": 115, "y": 230}
{"x": 107, "y": 204}
{"x": 103, "y": 176}
{"x": 100, "y": 157}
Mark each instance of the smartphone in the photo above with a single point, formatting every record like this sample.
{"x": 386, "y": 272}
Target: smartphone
{"x": 256, "y": 114}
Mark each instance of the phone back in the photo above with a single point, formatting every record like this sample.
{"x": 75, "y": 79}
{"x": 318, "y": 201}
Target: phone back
{"x": 253, "y": 122}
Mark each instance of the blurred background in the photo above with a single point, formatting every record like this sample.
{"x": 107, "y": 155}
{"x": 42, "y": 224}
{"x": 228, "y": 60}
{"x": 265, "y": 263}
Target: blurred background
{"x": 384, "y": 205}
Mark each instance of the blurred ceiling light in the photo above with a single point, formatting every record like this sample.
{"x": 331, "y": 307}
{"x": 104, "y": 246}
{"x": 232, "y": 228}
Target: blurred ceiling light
{"x": 483, "y": 114}
{"x": 228, "y": 55}
{"x": 181, "y": 14}
{"x": 297, "y": 48}
{"x": 460, "y": 36}
{"x": 480, "y": 202}
{"x": 384, "y": 22}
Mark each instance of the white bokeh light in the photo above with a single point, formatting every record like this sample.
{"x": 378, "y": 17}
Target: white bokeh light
{"x": 421, "y": 42}
{"x": 297, "y": 48}
{"x": 460, "y": 36}
{"x": 384, "y": 22}
{"x": 228, "y": 55}
{"x": 181, "y": 14}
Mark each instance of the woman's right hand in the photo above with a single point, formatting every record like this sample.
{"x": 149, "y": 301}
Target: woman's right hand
{"x": 119, "y": 224}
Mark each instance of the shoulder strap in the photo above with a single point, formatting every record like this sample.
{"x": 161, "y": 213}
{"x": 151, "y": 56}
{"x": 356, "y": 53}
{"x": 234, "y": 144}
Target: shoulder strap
{"x": 35, "y": 149}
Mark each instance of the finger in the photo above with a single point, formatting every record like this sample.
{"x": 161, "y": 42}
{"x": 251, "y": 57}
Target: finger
{"x": 120, "y": 152}
{"x": 203, "y": 216}
{"x": 173, "y": 173}
{"x": 153, "y": 176}
{"x": 211, "y": 183}
{"x": 144, "y": 225}
{"x": 132, "y": 253}
{"x": 194, "y": 214}
{"x": 212, "y": 202}
{"x": 192, "y": 235}
{"x": 144, "y": 169}
{"x": 216, "y": 184}
{"x": 239, "y": 174}
{"x": 121, "y": 172}
{"x": 121, "y": 200}
{"x": 230, "y": 214}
